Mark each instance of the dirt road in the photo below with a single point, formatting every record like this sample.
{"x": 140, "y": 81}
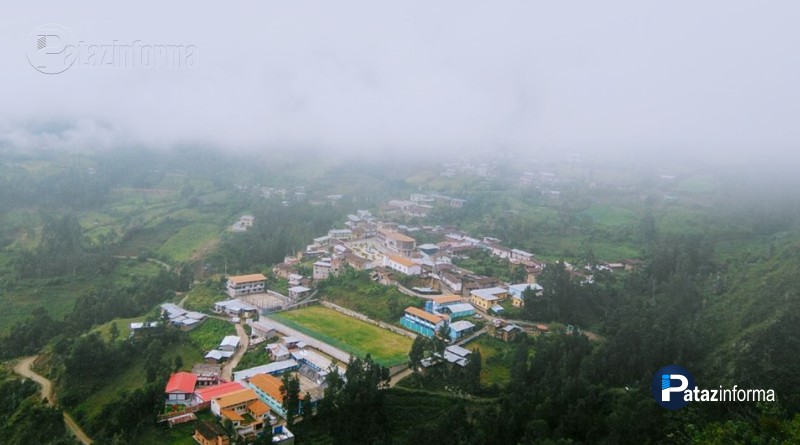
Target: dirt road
{"x": 24, "y": 369}
{"x": 244, "y": 342}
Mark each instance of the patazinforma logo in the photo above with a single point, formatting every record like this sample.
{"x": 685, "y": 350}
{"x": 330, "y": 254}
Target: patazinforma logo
{"x": 674, "y": 387}
{"x": 48, "y": 48}
{"x": 669, "y": 384}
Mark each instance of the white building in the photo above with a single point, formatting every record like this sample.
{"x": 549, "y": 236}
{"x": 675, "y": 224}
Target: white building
{"x": 239, "y": 285}
{"x": 400, "y": 264}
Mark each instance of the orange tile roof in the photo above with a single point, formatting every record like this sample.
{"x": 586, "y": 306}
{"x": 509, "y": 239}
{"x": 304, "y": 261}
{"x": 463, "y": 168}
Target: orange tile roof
{"x": 446, "y": 299}
{"x": 231, "y": 415}
{"x": 270, "y": 384}
{"x": 235, "y": 398}
{"x": 433, "y": 318}
{"x": 400, "y": 260}
{"x": 400, "y": 237}
{"x": 247, "y": 278}
{"x": 258, "y": 408}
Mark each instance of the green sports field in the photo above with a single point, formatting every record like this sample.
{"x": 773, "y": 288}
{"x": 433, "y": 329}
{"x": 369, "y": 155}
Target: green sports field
{"x": 348, "y": 334}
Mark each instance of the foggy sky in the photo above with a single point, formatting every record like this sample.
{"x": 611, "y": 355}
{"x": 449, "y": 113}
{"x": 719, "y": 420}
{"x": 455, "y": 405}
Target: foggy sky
{"x": 715, "y": 77}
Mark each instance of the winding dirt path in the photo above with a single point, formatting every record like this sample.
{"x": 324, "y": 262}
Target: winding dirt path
{"x": 244, "y": 343}
{"x": 24, "y": 369}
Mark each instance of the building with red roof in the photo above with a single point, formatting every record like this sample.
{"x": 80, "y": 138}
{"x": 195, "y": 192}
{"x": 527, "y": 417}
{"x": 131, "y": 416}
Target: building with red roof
{"x": 215, "y": 392}
{"x": 180, "y": 388}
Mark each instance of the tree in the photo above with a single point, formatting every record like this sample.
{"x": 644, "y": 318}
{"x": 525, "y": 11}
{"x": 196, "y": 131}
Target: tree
{"x": 417, "y": 352}
{"x": 444, "y": 332}
{"x": 472, "y": 372}
{"x": 114, "y": 331}
{"x": 290, "y": 391}
{"x": 305, "y": 405}
{"x": 178, "y": 362}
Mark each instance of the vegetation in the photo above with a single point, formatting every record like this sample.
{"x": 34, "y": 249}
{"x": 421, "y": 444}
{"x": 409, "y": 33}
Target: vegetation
{"x": 347, "y": 333}
{"x": 717, "y": 294}
{"x": 354, "y": 290}
{"x": 210, "y": 333}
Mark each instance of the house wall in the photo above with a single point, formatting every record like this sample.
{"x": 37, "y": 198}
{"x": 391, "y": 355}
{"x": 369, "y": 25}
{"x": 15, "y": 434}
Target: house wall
{"x": 480, "y": 302}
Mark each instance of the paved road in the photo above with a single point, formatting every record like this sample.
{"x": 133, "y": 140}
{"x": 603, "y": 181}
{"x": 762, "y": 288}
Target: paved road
{"x": 244, "y": 342}
{"x": 23, "y": 368}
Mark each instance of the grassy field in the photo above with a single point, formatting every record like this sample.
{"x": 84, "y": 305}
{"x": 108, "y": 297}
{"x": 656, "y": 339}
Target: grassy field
{"x": 123, "y": 326}
{"x": 347, "y": 333}
{"x": 208, "y": 335}
{"x": 133, "y": 378}
{"x": 497, "y": 358}
{"x": 611, "y": 216}
{"x": 187, "y": 240}
{"x": 370, "y": 299}
{"x": 202, "y": 297}
{"x": 56, "y": 295}
{"x": 128, "y": 270}
{"x": 253, "y": 357}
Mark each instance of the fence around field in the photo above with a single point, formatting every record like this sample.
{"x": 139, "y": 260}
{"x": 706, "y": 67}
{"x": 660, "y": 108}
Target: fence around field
{"x": 327, "y": 345}
{"x": 321, "y": 341}
{"x": 364, "y": 318}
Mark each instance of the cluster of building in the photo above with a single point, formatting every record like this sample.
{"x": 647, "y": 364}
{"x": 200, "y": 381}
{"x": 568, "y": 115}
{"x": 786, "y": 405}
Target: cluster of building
{"x": 244, "y": 222}
{"x": 246, "y": 406}
{"x": 253, "y": 401}
{"x": 227, "y": 347}
{"x": 449, "y": 310}
{"x": 176, "y": 316}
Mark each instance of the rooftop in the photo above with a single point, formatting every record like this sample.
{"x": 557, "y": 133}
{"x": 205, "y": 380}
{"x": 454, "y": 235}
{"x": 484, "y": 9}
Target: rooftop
{"x": 230, "y": 340}
{"x": 235, "y": 398}
{"x": 460, "y": 307}
{"x": 299, "y": 289}
{"x": 269, "y": 384}
{"x": 444, "y": 299}
{"x": 461, "y": 325}
{"x": 209, "y": 430}
{"x": 517, "y": 289}
{"x": 239, "y": 279}
{"x": 400, "y": 260}
{"x": 458, "y": 350}
{"x": 264, "y": 369}
{"x": 217, "y": 391}
{"x": 489, "y": 293}
{"x": 427, "y": 316}
{"x": 258, "y": 408}
{"x": 181, "y": 382}
{"x": 397, "y": 236}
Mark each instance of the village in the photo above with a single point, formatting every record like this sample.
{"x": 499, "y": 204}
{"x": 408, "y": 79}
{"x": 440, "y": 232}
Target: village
{"x": 454, "y": 303}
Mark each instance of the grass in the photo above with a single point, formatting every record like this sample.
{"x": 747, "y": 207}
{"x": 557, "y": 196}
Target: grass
{"x": 253, "y": 357}
{"x": 202, "y": 297}
{"x": 123, "y": 325}
{"x": 128, "y": 270}
{"x": 611, "y": 216}
{"x": 187, "y": 240}
{"x": 483, "y": 263}
{"x": 348, "y": 334}
{"x": 56, "y": 295}
{"x": 133, "y": 378}
{"x": 210, "y": 333}
{"x": 497, "y": 357}
{"x": 371, "y": 299}
{"x": 511, "y": 312}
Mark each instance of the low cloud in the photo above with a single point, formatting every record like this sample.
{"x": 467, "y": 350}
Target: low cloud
{"x": 717, "y": 78}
